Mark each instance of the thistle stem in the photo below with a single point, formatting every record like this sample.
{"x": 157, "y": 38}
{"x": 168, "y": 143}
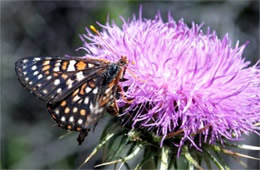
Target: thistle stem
{"x": 164, "y": 158}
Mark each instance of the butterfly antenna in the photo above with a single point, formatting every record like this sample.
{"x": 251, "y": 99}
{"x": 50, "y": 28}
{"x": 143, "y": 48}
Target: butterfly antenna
{"x": 106, "y": 43}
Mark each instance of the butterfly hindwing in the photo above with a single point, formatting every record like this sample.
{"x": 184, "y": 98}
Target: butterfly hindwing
{"x": 84, "y": 106}
{"x": 53, "y": 78}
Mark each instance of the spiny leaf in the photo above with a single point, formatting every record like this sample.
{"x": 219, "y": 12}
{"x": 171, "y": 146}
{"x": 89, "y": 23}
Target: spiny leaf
{"x": 238, "y": 154}
{"x": 173, "y": 162}
{"x": 65, "y": 134}
{"x": 148, "y": 155}
{"x": 214, "y": 160}
{"x": 221, "y": 160}
{"x": 122, "y": 144}
{"x": 128, "y": 157}
{"x": 206, "y": 159}
{"x": 246, "y": 147}
{"x": 190, "y": 158}
{"x": 110, "y": 127}
{"x": 97, "y": 148}
{"x": 112, "y": 146}
{"x": 242, "y": 163}
{"x": 226, "y": 151}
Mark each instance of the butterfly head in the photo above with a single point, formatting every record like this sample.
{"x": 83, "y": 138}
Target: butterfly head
{"x": 123, "y": 61}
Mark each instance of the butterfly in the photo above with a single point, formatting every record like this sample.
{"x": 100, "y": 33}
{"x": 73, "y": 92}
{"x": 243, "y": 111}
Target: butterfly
{"x": 78, "y": 90}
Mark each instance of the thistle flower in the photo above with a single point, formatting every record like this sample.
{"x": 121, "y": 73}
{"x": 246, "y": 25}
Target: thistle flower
{"x": 181, "y": 80}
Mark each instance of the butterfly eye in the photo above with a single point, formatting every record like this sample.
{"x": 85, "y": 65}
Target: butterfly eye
{"x": 122, "y": 62}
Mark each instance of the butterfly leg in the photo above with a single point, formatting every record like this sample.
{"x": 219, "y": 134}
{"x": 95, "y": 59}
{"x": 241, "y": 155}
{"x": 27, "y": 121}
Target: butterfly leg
{"x": 113, "y": 109}
{"x": 121, "y": 91}
{"x": 82, "y": 135}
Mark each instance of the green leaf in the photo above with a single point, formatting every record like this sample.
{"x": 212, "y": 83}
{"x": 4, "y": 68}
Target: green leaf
{"x": 182, "y": 163}
{"x": 173, "y": 162}
{"x": 128, "y": 157}
{"x": 206, "y": 159}
{"x": 112, "y": 146}
{"x": 148, "y": 155}
{"x": 214, "y": 160}
{"x": 122, "y": 144}
{"x": 97, "y": 148}
{"x": 190, "y": 159}
{"x": 111, "y": 127}
{"x": 221, "y": 161}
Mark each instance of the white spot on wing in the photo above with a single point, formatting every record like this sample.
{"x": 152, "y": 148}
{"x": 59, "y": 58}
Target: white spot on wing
{"x": 90, "y": 65}
{"x": 71, "y": 119}
{"x": 80, "y": 121}
{"x": 95, "y": 90}
{"x": 80, "y": 101}
{"x": 56, "y": 69}
{"x": 57, "y": 82}
{"x": 86, "y": 100}
{"x": 59, "y": 90}
{"x": 71, "y": 66}
{"x": 37, "y": 59}
{"x": 57, "y": 111}
{"x": 57, "y": 64}
{"x": 26, "y": 79}
{"x": 49, "y": 77}
{"x": 46, "y": 62}
{"x": 69, "y": 83}
{"x": 76, "y": 98}
{"x": 39, "y": 76}
{"x": 25, "y": 61}
{"x": 34, "y": 67}
{"x": 88, "y": 89}
{"x": 35, "y": 73}
{"x": 80, "y": 76}
{"x": 63, "y": 119}
{"x": 45, "y": 91}
{"x": 75, "y": 109}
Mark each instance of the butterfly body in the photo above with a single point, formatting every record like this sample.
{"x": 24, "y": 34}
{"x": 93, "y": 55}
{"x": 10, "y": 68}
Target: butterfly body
{"x": 77, "y": 90}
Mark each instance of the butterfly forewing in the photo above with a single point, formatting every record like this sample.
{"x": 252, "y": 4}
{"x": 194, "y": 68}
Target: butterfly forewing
{"x": 53, "y": 78}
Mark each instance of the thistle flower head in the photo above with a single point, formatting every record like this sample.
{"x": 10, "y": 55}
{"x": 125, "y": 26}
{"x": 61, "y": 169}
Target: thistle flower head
{"x": 181, "y": 78}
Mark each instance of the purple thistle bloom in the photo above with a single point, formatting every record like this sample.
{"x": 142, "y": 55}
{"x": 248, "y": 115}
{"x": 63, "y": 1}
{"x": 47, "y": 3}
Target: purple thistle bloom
{"x": 184, "y": 78}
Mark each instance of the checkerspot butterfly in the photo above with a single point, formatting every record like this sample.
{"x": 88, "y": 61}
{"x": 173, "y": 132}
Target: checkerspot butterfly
{"x": 77, "y": 90}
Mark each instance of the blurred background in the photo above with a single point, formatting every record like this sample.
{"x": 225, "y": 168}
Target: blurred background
{"x": 51, "y": 28}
